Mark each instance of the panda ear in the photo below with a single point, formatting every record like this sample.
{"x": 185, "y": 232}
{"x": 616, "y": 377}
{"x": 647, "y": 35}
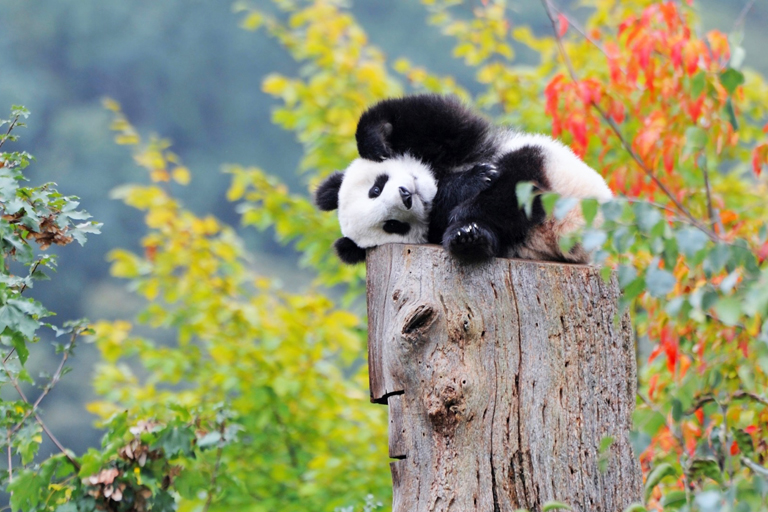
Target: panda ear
{"x": 373, "y": 138}
{"x": 349, "y": 252}
{"x": 327, "y": 194}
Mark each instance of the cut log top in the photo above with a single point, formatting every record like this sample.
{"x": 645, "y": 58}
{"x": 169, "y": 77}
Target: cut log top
{"x": 502, "y": 380}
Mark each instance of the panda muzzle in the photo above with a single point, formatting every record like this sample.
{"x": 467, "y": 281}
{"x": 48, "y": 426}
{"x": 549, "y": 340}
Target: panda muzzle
{"x": 405, "y": 195}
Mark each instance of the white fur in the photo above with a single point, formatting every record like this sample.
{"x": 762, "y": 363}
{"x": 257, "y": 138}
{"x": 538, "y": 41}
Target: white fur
{"x": 362, "y": 218}
{"x": 567, "y": 174}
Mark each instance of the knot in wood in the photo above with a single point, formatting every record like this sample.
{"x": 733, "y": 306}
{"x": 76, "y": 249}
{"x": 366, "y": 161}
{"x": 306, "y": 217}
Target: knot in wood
{"x": 446, "y": 406}
{"x": 418, "y": 321}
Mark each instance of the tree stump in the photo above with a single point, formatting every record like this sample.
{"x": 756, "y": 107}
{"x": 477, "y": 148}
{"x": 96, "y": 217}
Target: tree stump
{"x": 502, "y": 380}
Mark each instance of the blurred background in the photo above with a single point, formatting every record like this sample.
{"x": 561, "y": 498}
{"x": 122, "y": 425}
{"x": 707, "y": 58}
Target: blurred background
{"x": 185, "y": 70}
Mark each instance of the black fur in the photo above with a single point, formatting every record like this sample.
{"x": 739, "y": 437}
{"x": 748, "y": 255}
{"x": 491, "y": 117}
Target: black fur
{"x": 327, "y": 194}
{"x": 348, "y": 251}
{"x": 491, "y": 222}
{"x": 475, "y": 214}
{"x": 438, "y": 130}
{"x": 395, "y": 226}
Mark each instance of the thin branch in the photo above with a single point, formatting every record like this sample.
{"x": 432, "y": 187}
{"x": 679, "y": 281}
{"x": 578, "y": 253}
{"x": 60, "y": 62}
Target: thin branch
{"x": 5, "y": 137}
{"x": 712, "y": 235}
{"x": 54, "y": 380}
{"x": 39, "y": 420}
{"x": 559, "y": 40}
{"x": 10, "y": 457}
{"x": 578, "y": 28}
{"x": 742, "y": 15}
{"x": 37, "y": 264}
{"x": 57, "y": 375}
{"x": 754, "y": 466}
{"x": 213, "y": 480}
{"x": 710, "y": 209}
{"x": 737, "y": 395}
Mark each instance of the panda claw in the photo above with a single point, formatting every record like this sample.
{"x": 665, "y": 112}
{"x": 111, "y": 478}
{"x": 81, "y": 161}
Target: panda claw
{"x": 471, "y": 242}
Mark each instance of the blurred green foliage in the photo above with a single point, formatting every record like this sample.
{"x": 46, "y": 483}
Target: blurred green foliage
{"x": 241, "y": 394}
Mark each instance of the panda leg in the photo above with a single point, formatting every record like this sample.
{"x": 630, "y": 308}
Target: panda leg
{"x": 471, "y": 241}
{"x": 491, "y": 223}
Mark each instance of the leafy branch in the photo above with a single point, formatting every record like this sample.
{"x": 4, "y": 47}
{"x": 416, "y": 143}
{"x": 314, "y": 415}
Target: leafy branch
{"x": 617, "y": 131}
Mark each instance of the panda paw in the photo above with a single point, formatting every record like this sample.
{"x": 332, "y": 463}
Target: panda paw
{"x": 470, "y": 241}
{"x": 485, "y": 172}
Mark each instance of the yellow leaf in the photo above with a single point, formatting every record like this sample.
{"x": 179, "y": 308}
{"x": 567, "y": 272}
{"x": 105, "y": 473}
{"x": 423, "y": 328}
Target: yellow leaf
{"x": 127, "y": 140}
{"x": 181, "y": 175}
{"x": 159, "y": 175}
{"x": 111, "y": 104}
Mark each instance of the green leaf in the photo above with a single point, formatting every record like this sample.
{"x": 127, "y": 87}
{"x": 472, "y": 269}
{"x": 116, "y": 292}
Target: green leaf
{"x": 731, "y": 113}
{"x": 636, "y": 507}
{"x": 555, "y": 505}
{"x": 589, "y": 209}
{"x": 695, "y": 139}
{"x": 659, "y": 282}
{"x": 706, "y": 468}
{"x": 612, "y": 210}
{"x": 176, "y": 441}
{"x": 691, "y": 240}
{"x": 698, "y": 83}
{"x": 716, "y": 259}
{"x": 627, "y": 274}
{"x": 593, "y": 239}
{"x": 728, "y": 310}
{"x": 563, "y": 206}
{"x": 656, "y": 475}
{"x": 673, "y": 500}
{"x": 646, "y": 215}
{"x": 524, "y": 192}
{"x": 731, "y": 79}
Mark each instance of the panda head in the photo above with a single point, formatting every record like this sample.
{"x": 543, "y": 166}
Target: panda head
{"x": 378, "y": 203}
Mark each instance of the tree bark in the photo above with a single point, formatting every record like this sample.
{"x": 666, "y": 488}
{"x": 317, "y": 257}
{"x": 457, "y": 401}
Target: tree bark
{"x": 502, "y": 380}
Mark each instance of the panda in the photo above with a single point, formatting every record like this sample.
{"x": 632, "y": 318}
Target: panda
{"x": 432, "y": 170}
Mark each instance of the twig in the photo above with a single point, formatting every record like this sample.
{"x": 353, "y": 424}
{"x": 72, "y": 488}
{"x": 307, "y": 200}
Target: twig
{"x": 54, "y": 380}
{"x": 743, "y": 15}
{"x": 710, "y": 210}
{"x": 37, "y": 264}
{"x": 712, "y": 235}
{"x": 737, "y": 395}
{"x": 215, "y": 474}
{"x": 39, "y": 420}
{"x": 10, "y": 457}
{"x": 754, "y": 466}
{"x": 578, "y": 28}
{"x": 559, "y": 40}
{"x": 5, "y": 137}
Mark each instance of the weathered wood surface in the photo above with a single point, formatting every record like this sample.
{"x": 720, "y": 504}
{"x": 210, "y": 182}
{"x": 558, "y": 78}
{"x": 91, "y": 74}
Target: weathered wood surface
{"x": 502, "y": 379}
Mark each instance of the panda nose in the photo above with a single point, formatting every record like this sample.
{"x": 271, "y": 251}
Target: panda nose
{"x": 405, "y": 195}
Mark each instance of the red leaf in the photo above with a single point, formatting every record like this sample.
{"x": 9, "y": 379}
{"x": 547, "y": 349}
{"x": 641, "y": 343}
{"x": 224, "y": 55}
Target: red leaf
{"x": 751, "y": 429}
{"x": 694, "y": 109}
{"x": 734, "y": 448}
{"x": 562, "y": 22}
{"x": 758, "y": 157}
{"x": 652, "y": 385}
{"x": 762, "y": 254}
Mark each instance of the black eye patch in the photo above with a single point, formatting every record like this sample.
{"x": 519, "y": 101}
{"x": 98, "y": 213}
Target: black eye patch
{"x": 396, "y": 227}
{"x": 378, "y": 186}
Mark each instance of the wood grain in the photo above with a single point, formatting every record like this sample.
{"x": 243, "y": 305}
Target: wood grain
{"x": 502, "y": 380}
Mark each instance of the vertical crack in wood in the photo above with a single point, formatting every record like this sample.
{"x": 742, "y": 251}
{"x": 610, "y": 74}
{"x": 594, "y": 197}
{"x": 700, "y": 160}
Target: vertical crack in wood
{"x": 496, "y": 507}
{"x": 520, "y": 469}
